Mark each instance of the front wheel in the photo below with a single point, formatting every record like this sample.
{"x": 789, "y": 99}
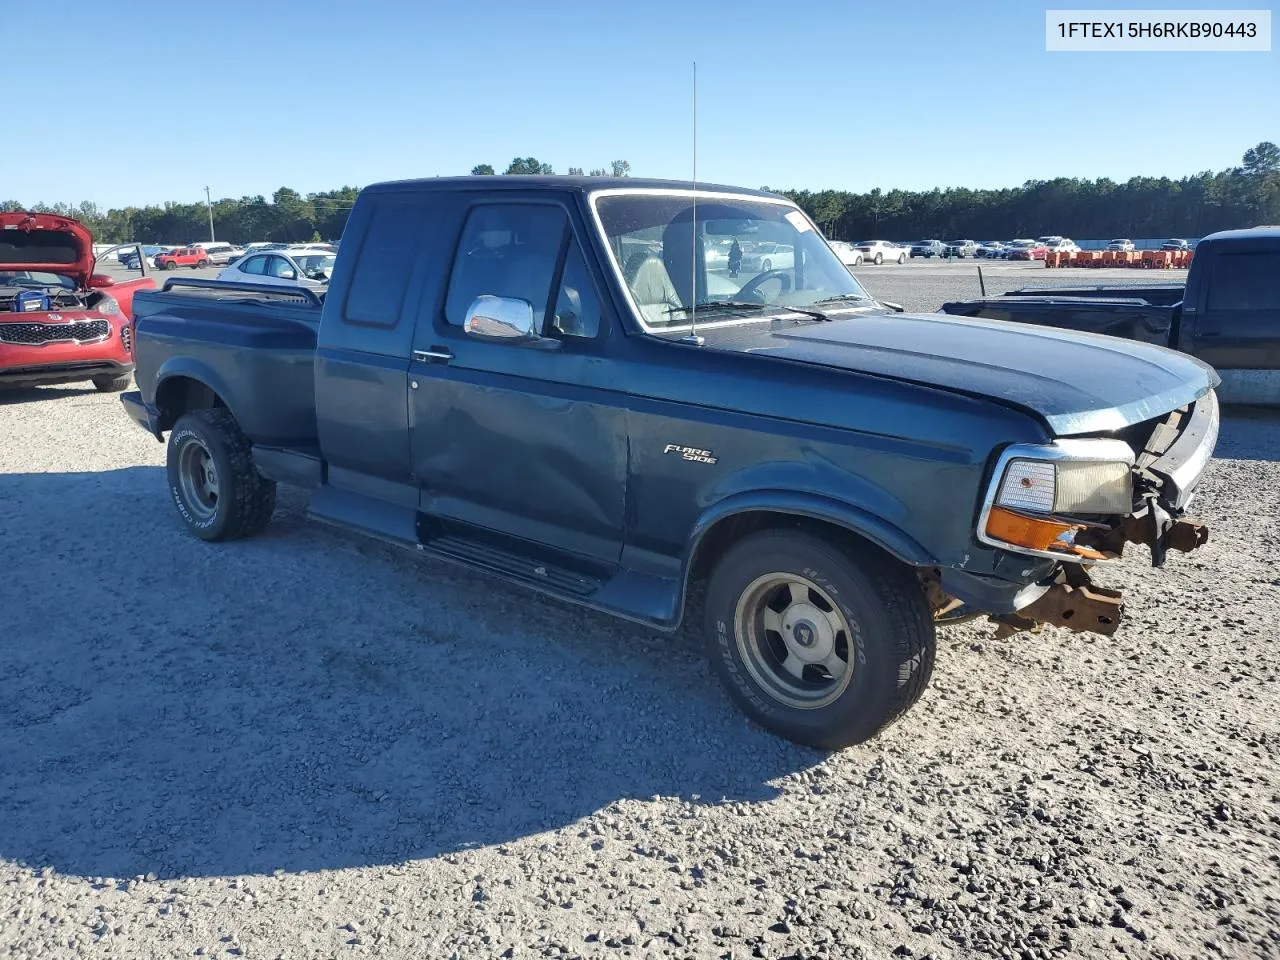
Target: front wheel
{"x": 820, "y": 642}
{"x": 766, "y": 265}
{"x": 879, "y": 259}
{"x": 215, "y": 486}
{"x": 902, "y": 258}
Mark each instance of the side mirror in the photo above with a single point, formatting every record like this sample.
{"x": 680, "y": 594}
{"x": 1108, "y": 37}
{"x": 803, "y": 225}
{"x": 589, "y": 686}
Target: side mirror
{"x": 99, "y": 280}
{"x": 289, "y": 275}
{"x": 500, "y": 318}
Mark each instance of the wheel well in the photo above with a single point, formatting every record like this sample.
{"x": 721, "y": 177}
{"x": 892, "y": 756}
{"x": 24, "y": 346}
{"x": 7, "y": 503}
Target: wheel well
{"x": 179, "y": 395}
{"x": 724, "y": 533}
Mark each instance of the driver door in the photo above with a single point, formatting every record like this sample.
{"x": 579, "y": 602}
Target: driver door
{"x": 522, "y": 444}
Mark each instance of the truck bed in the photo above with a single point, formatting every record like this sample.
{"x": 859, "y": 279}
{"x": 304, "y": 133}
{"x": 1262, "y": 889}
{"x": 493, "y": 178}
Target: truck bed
{"x": 253, "y": 343}
{"x": 1160, "y": 295}
{"x": 1133, "y": 318}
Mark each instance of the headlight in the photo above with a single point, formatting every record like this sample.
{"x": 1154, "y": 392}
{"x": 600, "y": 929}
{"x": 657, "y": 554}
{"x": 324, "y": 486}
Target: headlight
{"x": 1036, "y": 492}
{"x": 107, "y": 306}
{"x": 1067, "y": 486}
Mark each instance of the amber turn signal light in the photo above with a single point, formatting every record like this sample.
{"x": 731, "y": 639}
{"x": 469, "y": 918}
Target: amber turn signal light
{"x": 1039, "y": 533}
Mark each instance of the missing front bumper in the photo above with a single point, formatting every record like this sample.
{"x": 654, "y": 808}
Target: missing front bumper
{"x": 1074, "y": 601}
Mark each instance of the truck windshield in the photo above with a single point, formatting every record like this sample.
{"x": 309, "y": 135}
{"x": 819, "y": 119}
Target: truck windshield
{"x": 754, "y": 257}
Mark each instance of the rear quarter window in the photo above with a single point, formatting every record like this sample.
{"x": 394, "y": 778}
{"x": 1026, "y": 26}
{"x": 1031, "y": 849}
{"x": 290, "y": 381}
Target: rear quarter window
{"x": 1245, "y": 281}
{"x": 384, "y": 262}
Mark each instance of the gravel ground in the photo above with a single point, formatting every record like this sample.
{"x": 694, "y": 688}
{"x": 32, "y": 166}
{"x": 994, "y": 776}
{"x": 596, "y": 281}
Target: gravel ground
{"x": 309, "y": 745}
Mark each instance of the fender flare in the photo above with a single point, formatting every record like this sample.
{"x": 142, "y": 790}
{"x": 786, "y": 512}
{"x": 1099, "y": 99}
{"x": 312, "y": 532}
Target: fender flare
{"x": 855, "y": 519}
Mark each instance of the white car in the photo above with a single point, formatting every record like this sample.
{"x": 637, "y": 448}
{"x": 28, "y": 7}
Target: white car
{"x": 878, "y": 251}
{"x": 292, "y": 267}
{"x": 1124, "y": 246}
{"x": 767, "y": 255}
{"x": 847, "y": 253}
{"x": 1061, "y": 245}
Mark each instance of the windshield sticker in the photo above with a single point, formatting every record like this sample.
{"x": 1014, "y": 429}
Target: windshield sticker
{"x": 797, "y": 220}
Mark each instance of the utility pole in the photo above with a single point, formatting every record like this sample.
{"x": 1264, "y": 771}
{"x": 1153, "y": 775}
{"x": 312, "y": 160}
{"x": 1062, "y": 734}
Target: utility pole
{"x": 209, "y": 203}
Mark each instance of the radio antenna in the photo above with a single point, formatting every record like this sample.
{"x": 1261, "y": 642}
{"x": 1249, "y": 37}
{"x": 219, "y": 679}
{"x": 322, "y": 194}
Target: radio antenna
{"x": 693, "y": 286}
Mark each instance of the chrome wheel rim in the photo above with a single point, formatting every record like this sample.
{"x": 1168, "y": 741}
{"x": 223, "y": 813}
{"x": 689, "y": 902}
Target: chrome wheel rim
{"x": 198, "y": 478}
{"x": 794, "y": 640}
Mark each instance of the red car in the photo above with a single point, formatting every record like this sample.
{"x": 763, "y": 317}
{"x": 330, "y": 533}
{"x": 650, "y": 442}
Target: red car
{"x": 1026, "y": 250}
{"x": 59, "y": 321}
{"x": 182, "y": 257}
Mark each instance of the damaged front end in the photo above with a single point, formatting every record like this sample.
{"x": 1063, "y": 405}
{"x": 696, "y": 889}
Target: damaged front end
{"x": 1081, "y": 500}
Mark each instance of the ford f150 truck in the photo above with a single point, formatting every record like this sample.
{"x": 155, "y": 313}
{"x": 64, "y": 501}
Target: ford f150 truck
{"x": 1227, "y": 314}
{"x": 59, "y": 321}
{"x": 544, "y": 379}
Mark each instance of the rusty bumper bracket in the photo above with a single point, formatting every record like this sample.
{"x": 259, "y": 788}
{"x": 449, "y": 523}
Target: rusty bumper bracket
{"x": 1153, "y": 527}
{"x": 1075, "y": 603}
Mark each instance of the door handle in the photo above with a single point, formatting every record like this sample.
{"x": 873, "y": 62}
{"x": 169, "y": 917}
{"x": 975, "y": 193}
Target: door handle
{"x": 435, "y": 353}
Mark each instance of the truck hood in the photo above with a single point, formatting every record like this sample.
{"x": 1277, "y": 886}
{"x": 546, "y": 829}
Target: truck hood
{"x": 47, "y": 243}
{"x": 1074, "y": 382}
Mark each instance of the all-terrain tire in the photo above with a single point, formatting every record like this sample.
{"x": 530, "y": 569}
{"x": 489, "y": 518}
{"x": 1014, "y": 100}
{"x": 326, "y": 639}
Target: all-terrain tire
{"x": 246, "y": 499}
{"x": 112, "y": 384}
{"x": 891, "y": 648}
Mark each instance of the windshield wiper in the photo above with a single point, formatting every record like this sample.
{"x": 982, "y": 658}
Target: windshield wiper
{"x": 714, "y": 304}
{"x": 748, "y": 305}
{"x": 841, "y": 298}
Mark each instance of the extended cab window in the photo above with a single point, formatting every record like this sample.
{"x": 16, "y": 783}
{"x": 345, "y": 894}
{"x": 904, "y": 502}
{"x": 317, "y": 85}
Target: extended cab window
{"x": 255, "y": 265}
{"x": 1245, "y": 281}
{"x": 514, "y": 250}
{"x": 391, "y": 243}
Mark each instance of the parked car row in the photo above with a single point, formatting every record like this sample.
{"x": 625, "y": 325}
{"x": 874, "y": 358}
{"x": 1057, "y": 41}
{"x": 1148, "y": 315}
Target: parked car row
{"x": 208, "y": 253}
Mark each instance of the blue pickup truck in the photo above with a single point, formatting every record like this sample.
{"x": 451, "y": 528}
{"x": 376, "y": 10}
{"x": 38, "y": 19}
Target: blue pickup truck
{"x": 552, "y": 381}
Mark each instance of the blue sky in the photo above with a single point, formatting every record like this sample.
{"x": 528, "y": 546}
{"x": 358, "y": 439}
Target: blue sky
{"x": 246, "y": 97}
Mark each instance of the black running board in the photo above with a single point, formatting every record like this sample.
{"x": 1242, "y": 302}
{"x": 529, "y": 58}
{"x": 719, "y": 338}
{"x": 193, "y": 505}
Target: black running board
{"x": 622, "y": 592}
{"x": 513, "y": 566}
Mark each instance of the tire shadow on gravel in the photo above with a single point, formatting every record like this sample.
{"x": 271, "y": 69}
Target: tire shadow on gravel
{"x": 306, "y": 701}
{"x": 13, "y": 395}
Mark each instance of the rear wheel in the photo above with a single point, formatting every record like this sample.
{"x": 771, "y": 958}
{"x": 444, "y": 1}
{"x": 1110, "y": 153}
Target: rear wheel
{"x": 112, "y": 384}
{"x": 766, "y": 265}
{"x": 879, "y": 259}
{"x": 200, "y": 264}
{"x": 215, "y": 486}
{"x": 821, "y": 642}
{"x": 902, "y": 258}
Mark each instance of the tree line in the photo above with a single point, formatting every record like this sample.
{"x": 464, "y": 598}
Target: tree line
{"x": 1145, "y": 207}
{"x": 1141, "y": 207}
